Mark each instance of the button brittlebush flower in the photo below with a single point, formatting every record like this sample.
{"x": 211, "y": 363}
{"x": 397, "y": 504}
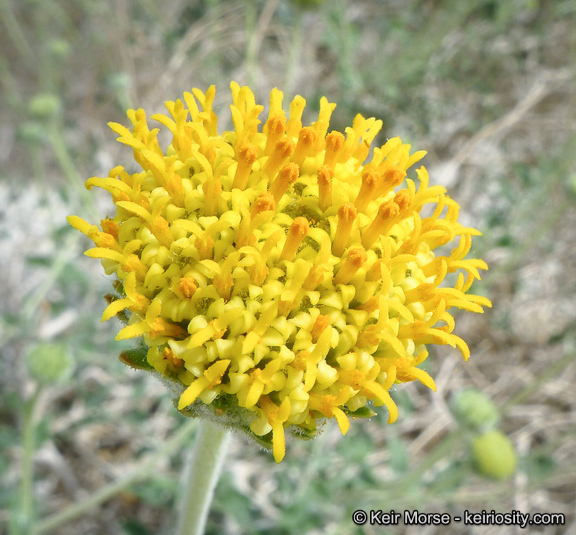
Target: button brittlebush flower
{"x": 276, "y": 275}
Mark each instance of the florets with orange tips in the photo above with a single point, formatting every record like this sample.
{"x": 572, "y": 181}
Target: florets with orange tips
{"x": 275, "y": 278}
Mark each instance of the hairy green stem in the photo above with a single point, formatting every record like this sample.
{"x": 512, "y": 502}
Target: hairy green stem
{"x": 203, "y": 468}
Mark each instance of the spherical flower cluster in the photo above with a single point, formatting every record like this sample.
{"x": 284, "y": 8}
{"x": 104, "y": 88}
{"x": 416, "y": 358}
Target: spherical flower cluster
{"x": 279, "y": 276}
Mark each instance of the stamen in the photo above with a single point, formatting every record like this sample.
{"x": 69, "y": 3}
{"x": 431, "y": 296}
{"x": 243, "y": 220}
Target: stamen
{"x": 325, "y": 175}
{"x": 314, "y": 278}
{"x": 385, "y": 218}
{"x": 161, "y": 230}
{"x": 346, "y": 216}
{"x": 296, "y": 234}
{"x": 223, "y": 281}
{"x": 174, "y": 361}
{"x": 391, "y": 178}
{"x": 295, "y": 122}
{"x": 276, "y": 128}
{"x": 286, "y": 177}
{"x": 322, "y": 321}
{"x": 370, "y": 180}
{"x": 263, "y": 203}
{"x": 246, "y": 158}
{"x": 371, "y": 305}
{"x": 375, "y": 272}
{"x": 212, "y": 192}
{"x": 259, "y": 270}
{"x": 205, "y": 246}
{"x": 368, "y": 337}
{"x": 161, "y": 327}
{"x": 110, "y": 226}
{"x": 404, "y": 199}
{"x": 306, "y": 139}
{"x": 283, "y": 149}
{"x": 356, "y": 259}
{"x": 187, "y": 287}
{"x": 334, "y": 144}
{"x": 258, "y": 214}
{"x": 133, "y": 263}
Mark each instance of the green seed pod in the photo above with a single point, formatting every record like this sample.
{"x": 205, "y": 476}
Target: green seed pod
{"x": 494, "y": 455}
{"x": 474, "y": 410}
{"x": 50, "y": 363}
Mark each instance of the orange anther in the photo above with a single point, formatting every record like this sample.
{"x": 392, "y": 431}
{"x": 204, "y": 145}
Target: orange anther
{"x": 391, "y": 178}
{"x": 187, "y": 287}
{"x": 404, "y": 199}
{"x": 263, "y": 203}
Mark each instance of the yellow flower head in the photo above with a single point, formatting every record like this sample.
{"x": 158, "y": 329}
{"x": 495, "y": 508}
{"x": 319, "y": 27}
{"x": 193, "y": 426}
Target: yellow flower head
{"x": 276, "y": 276}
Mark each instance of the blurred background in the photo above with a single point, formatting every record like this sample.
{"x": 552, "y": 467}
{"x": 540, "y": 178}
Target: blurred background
{"x": 486, "y": 87}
